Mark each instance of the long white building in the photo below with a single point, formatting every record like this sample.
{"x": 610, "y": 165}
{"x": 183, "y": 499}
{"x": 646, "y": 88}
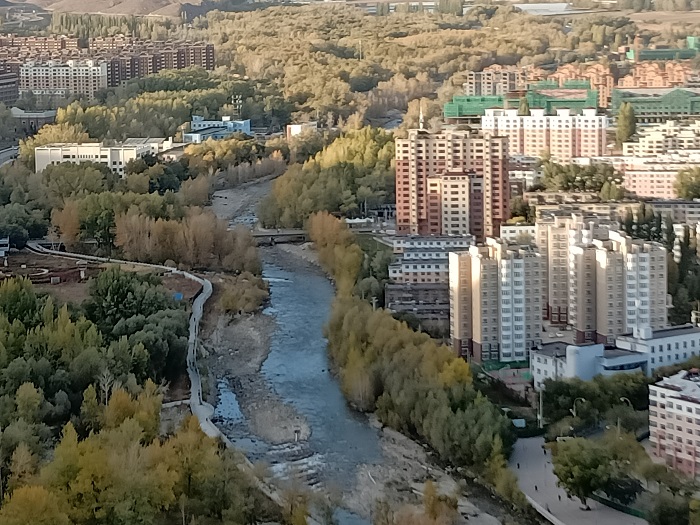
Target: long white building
{"x": 115, "y": 157}
{"x": 564, "y": 135}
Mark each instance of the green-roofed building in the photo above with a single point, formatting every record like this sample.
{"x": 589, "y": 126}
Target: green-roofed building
{"x": 666, "y": 53}
{"x": 547, "y": 94}
{"x": 658, "y": 104}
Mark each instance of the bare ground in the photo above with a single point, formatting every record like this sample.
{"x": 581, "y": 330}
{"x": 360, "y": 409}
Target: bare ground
{"x": 236, "y": 349}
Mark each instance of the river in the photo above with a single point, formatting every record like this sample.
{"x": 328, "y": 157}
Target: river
{"x": 297, "y": 369}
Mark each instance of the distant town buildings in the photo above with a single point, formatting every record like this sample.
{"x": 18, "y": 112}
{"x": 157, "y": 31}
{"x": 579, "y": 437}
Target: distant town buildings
{"x": 575, "y": 95}
{"x": 495, "y": 296}
{"x": 9, "y": 85}
{"x": 652, "y": 105}
{"x": 598, "y": 76}
{"x": 60, "y": 65}
{"x": 452, "y": 181}
{"x": 563, "y": 136}
{"x": 115, "y": 156}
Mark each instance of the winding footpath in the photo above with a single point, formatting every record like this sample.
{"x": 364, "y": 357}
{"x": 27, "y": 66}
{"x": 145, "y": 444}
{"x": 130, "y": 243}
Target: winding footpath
{"x": 200, "y": 408}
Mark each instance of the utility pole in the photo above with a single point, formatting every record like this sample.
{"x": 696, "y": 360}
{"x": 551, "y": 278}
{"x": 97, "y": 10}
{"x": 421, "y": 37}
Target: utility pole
{"x": 539, "y": 411}
{"x": 360, "y": 50}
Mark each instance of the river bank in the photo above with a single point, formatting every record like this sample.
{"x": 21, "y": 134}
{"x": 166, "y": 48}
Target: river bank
{"x": 363, "y": 461}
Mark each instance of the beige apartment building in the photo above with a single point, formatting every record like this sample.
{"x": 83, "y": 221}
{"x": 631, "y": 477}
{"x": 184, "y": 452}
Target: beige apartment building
{"x": 495, "y": 80}
{"x": 674, "y": 420}
{"x": 564, "y": 136}
{"x": 73, "y": 77}
{"x": 617, "y": 286}
{"x": 479, "y": 160}
{"x": 556, "y": 233}
{"x": 495, "y": 310}
{"x": 661, "y": 139}
{"x": 600, "y": 77}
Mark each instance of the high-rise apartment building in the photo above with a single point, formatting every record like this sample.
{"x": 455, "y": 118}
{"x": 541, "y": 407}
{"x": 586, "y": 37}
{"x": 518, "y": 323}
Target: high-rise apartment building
{"x": 495, "y": 296}
{"x": 556, "y": 232}
{"x": 73, "y": 77}
{"x": 564, "y": 135}
{"x": 473, "y": 181}
{"x": 617, "y": 286}
{"x": 495, "y": 80}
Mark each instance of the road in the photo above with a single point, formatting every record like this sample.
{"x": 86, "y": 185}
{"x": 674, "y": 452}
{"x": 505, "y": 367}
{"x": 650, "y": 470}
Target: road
{"x": 536, "y": 471}
{"x": 7, "y": 155}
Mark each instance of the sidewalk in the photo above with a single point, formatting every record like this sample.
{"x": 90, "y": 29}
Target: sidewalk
{"x": 536, "y": 471}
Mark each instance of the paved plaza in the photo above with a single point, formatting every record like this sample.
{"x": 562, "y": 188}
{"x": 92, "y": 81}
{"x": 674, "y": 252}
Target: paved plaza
{"x": 536, "y": 471}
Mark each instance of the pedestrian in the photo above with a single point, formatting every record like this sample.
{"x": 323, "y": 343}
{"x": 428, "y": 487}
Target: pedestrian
{"x": 547, "y": 507}
{"x": 535, "y": 488}
{"x": 559, "y": 497}
{"x": 518, "y": 466}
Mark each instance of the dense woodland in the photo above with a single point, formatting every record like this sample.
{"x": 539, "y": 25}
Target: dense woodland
{"x": 90, "y": 367}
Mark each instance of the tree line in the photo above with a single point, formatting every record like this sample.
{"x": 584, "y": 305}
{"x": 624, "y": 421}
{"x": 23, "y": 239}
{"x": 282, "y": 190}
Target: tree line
{"x": 412, "y": 383}
{"x": 352, "y": 175}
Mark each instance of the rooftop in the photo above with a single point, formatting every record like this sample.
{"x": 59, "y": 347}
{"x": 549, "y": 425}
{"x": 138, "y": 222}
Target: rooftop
{"x": 686, "y": 383}
{"x": 674, "y": 331}
{"x": 140, "y": 140}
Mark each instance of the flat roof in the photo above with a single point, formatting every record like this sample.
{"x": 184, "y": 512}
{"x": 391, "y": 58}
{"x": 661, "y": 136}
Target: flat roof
{"x": 619, "y": 352}
{"x": 553, "y": 349}
{"x": 140, "y": 140}
{"x": 673, "y": 331}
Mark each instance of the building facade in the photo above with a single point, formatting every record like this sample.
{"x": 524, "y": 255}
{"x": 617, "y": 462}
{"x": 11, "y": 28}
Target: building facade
{"x": 202, "y": 129}
{"x": 495, "y": 311}
{"x": 674, "y": 421}
{"x": 473, "y": 173}
{"x": 564, "y": 135}
{"x": 72, "y": 77}
{"x": 495, "y": 80}
{"x": 652, "y": 105}
{"x": 115, "y": 157}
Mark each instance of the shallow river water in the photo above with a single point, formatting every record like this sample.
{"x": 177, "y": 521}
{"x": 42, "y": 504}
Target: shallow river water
{"x": 297, "y": 368}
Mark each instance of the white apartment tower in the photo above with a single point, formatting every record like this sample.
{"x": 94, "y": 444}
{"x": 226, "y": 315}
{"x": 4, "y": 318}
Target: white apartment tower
{"x": 495, "y": 301}
{"x": 73, "y": 77}
{"x": 564, "y": 135}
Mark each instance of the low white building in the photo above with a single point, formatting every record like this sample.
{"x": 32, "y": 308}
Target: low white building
{"x": 559, "y": 360}
{"x": 202, "y": 129}
{"x": 665, "y": 347}
{"x": 115, "y": 156}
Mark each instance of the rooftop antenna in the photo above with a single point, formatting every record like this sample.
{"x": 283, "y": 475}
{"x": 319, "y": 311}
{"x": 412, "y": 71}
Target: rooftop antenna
{"x": 420, "y": 117}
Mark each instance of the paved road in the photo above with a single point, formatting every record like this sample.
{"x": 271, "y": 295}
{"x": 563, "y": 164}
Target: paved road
{"x": 536, "y": 470}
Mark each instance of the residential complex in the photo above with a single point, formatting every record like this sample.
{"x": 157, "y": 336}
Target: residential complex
{"x": 575, "y": 95}
{"x": 660, "y": 139}
{"x": 452, "y": 181}
{"x": 9, "y": 85}
{"x": 495, "y": 80}
{"x": 651, "y": 176}
{"x": 674, "y": 420}
{"x": 598, "y": 76}
{"x": 563, "y": 136}
{"x": 73, "y": 77}
{"x": 115, "y": 156}
{"x": 59, "y": 65}
{"x": 495, "y": 296}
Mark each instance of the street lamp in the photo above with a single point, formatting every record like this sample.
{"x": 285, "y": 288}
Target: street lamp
{"x": 573, "y": 410}
{"x": 626, "y": 400}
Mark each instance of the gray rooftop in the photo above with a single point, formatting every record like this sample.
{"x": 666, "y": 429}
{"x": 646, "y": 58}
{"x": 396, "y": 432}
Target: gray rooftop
{"x": 673, "y": 331}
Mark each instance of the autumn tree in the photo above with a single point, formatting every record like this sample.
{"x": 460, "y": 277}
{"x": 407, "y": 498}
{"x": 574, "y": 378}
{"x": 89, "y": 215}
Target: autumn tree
{"x": 626, "y": 123}
{"x": 49, "y": 134}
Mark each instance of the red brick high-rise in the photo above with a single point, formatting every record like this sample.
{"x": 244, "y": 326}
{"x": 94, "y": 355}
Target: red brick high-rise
{"x": 431, "y": 200}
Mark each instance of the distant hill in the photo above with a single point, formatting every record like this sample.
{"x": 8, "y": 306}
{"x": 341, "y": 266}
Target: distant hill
{"x": 111, "y": 7}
